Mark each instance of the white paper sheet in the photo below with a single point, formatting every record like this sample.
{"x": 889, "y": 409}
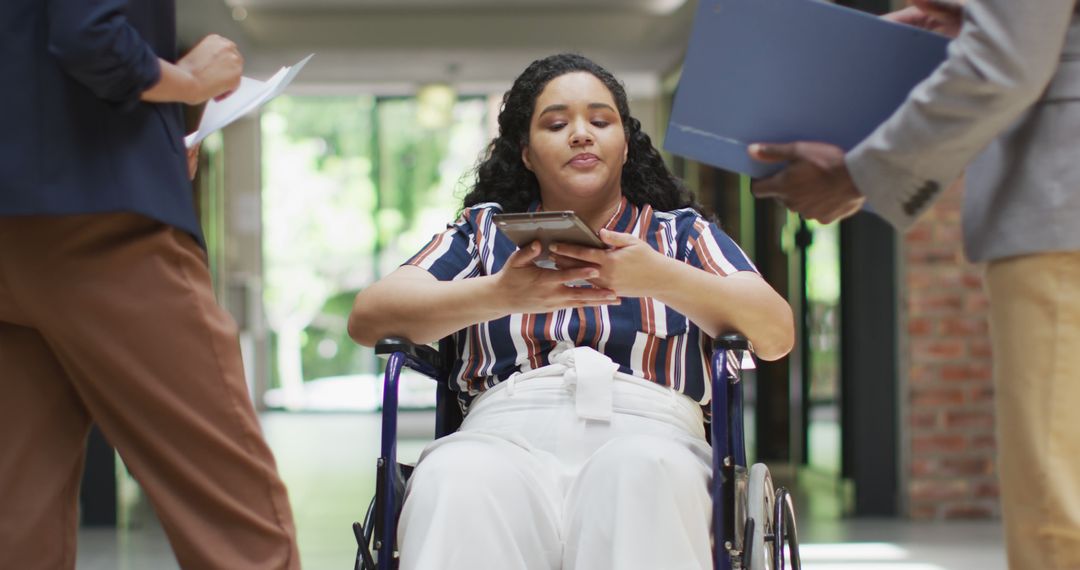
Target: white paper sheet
{"x": 249, "y": 96}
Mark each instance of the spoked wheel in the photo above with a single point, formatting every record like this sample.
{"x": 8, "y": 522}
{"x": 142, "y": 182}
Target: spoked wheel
{"x": 786, "y": 538}
{"x": 759, "y": 548}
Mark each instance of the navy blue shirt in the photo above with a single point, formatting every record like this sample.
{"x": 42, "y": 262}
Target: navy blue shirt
{"x": 76, "y": 138}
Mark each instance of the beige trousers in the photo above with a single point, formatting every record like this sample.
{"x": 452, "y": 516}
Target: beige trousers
{"x": 529, "y": 483}
{"x": 1035, "y": 327}
{"x": 111, "y": 319}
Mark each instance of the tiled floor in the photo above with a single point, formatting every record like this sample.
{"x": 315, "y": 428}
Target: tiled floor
{"x": 327, "y": 462}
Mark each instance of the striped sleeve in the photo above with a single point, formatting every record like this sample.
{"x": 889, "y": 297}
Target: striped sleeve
{"x": 451, "y": 254}
{"x": 708, "y": 247}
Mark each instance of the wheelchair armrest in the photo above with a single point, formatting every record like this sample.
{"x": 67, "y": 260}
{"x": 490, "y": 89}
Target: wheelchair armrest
{"x": 421, "y": 353}
{"x": 731, "y": 341}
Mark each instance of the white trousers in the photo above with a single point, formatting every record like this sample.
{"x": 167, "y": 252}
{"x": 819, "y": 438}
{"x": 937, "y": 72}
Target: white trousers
{"x": 528, "y": 483}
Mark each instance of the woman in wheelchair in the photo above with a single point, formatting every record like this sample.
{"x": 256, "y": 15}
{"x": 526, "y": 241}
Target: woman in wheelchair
{"x": 583, "y": 443}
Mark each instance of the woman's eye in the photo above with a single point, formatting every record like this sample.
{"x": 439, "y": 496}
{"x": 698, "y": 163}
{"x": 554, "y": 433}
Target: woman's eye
{"x": 556, "y": 126}
{"x": 600, "y": 124}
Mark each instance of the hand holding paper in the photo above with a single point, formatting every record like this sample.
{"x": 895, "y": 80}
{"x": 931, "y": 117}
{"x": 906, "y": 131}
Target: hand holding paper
{"x": 215, "y": 65}
{"x": 249, "y": 96}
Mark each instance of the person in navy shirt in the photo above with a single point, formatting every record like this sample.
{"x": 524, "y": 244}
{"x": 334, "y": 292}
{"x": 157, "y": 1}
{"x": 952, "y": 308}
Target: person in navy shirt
{"x": 583, "y": 442}
{"x": 107, "y": 314}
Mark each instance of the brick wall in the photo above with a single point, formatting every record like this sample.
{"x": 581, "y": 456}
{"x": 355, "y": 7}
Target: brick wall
{"x": 950, "y": 418}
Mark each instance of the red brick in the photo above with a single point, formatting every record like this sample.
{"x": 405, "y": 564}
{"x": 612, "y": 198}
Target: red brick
{"x": 923, "y": 420}
{"x": 987, "y": 490}
{"x": 921, "y": 326}
{"x": 980, "y": 349}
{"x": 938, "y": 349}
{"x": 968, "y": 371}
{"x": 964, "y": 326}
{"x": 924, "y": 374}
{"x": 976, "y": 303}
{"x": 935, "y": 255}
{"x": 943, "y": 277}
{"x": 948, "y": 234}
{"x": 935, "y": 301}
{"x": 936, "y": 397}
{"x": 981, "y": 394}
{"x": 973, "y": 280}
{"x": 937, "y": 444}
{"x": 966, "y": 466}
{"x": 919, "y": 281}
{"x": 919, "y": 233}
{"x": 963, "y": 419}
{"x": 983, "y": 441}
{"x": 921, "y": 468}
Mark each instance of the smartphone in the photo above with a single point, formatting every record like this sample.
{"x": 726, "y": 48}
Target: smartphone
{"x": 547, "y": 228}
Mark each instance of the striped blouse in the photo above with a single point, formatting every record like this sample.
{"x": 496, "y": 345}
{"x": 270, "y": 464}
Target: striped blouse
{"x": 642, "y": 335}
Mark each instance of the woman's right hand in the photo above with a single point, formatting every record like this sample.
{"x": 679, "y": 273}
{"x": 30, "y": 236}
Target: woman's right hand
{"x": 522, "y": 287}
{"x": 215, "y": 66}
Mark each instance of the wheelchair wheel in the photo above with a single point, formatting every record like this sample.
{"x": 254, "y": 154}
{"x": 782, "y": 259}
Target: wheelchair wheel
{"x": 760, "y": 507}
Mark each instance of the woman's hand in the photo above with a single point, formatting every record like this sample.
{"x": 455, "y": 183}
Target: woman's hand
{"x": 630, "y": 268}
{"x": 741, "y": 301}
{"x": 522, "y": 287}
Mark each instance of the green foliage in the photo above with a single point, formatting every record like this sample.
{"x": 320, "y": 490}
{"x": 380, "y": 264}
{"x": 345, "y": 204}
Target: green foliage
{"x": 409, "y": 163}
{"x": 343, "y": 124}
{"x": 328, "y": 350}
{"x": 352, "y": 186}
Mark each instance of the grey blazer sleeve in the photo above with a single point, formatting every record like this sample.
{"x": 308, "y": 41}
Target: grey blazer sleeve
{"x": 999, "y": 65}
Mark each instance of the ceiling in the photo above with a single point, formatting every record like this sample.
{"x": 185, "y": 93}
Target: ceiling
{"x": 479, "y": 45}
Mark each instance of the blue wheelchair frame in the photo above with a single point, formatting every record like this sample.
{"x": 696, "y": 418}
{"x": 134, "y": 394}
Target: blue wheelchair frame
{"x": 376, "y": 536}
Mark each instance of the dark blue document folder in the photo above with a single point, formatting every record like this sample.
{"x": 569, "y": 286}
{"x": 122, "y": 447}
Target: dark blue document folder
{"x": 787, "y": 70}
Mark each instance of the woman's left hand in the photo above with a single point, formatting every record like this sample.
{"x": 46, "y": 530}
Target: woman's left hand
{"x": 630, "y": 267}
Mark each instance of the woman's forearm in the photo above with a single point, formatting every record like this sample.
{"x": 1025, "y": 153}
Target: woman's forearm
{"x": 410, "y": 303}
{"x": 738, "y": 303}
{"x": 175, "y": 85}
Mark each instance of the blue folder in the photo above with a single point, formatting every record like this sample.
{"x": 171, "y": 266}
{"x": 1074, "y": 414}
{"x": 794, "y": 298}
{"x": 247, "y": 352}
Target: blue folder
{"x": 788, "y": 70}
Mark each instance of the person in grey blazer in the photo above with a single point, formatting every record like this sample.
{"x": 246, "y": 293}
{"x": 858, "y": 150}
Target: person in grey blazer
{"x": 1006, "y": 105}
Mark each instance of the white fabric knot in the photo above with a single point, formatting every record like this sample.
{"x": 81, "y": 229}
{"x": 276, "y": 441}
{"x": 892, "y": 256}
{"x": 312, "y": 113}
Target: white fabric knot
{"x": 592, "y": 375}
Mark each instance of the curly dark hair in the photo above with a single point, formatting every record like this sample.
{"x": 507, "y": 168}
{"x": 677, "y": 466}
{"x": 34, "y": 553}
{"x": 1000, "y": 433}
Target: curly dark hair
{"x": 502, "y": 177}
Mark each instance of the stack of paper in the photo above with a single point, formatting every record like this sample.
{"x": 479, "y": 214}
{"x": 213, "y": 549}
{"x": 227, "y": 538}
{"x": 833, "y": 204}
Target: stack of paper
{"x": 249, "y": 96}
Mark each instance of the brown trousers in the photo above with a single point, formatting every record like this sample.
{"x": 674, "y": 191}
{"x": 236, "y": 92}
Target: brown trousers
{"x": 1035, "y": 326}
{"x": 111, "y": 319}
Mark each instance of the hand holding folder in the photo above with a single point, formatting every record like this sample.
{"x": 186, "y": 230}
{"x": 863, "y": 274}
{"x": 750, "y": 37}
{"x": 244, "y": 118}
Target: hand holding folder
{"x": 791, "y": 70}
{"x": 816, "y": 182}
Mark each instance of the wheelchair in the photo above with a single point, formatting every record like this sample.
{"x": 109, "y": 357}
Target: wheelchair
{"x": 753, "y": 524}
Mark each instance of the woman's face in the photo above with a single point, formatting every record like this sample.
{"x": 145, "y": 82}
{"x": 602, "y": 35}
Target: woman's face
{"x": 576, "y": 146}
